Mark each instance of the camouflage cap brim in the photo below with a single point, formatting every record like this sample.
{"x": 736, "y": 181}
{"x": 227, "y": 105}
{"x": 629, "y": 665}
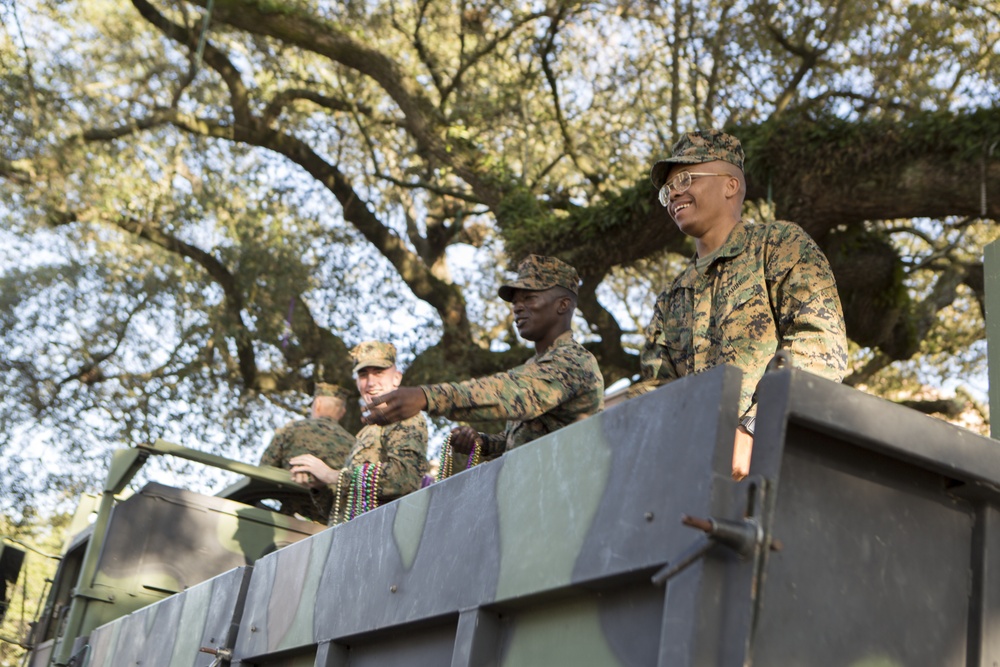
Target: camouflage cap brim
{"x": 373, "y": 363}
{"x": 506, "y": 291}
{"x": 658, "y": 174}
{"x": 373, "y": 354}
{"x": 537, "y": 273}
{"x": 324, "y": 389}
{"x": 699, "y": 147}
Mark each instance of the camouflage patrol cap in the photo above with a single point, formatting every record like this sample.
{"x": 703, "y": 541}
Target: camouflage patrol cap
{"x": 536, "y": 273}
{"x": 697, "y": 147}
{"x": 373, "y": 353}
{"x": 331, "y": 390}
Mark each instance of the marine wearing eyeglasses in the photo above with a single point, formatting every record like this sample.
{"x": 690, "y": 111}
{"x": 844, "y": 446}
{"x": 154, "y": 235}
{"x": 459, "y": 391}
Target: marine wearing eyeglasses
{"x": 750, "y": 290}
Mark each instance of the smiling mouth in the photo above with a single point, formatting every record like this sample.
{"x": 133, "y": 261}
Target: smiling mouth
{"x": 680, "y": 207}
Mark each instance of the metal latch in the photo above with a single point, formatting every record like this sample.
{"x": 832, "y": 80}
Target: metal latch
{"x": 221, "y": 654}
{"x": 742, "y": 536}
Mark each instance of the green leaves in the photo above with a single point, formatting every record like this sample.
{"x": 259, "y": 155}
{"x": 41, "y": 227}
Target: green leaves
{"x": 213, "y": 244}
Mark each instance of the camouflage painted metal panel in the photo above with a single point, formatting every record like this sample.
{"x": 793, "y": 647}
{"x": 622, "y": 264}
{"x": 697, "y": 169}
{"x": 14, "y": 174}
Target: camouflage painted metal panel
{"x": 889, "y": 543}
{"x": 224, "y": 533}
{"x": 40, "y": 654}
{"x": 11, "y": 559}
{"x": 171, "y": 632}
{"x": 196, "y": 537}
{"x": 595, "y": 502}
{"x": 889, "y": 524}
{"x": 991, "y": 284}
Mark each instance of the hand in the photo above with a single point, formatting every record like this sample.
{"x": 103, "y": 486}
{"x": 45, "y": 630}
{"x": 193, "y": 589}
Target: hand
{"x": 395, "y": 406}
{"x": 463, "y": 439}
{"x": 310, "y": 471}
{"x": 742, "y": 448}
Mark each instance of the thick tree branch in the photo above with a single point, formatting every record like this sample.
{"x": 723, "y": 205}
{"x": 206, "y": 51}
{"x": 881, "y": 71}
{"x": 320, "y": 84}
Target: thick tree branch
{"x": 445, "y": 298}
{"x": 234, "y": 302}
{"x": 21, "y": 172}
{"x": 975, "y": 280}
{"x": 949, "y": 407}
{"x": 879, "y": 361}
{"x": 215, "y": 58}
{"x": 487, "y": 48}
{"x": 569, "y": 146}
{"x": 424, "y": 122}
{"x": 614, "y": 361}
{"x": 292, "y": 95}
{"x": 90, "y": 372}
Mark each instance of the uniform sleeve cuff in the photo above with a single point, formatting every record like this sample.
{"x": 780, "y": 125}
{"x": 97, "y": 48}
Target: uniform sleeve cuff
{"x": 436, "y": 398}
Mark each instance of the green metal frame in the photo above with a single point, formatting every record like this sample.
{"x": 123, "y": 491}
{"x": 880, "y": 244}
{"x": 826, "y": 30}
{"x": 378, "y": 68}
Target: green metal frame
{"x": 125, "y": 463}
{"x": 991, "y": 273}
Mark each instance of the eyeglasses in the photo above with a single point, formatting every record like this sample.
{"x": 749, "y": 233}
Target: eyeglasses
{"x": 681, "y": 183}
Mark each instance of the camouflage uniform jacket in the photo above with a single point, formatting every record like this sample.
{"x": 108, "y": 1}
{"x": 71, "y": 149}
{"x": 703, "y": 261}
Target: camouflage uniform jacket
{"x": 401, "y": 449}
{"x": 322, "y": 437}
{"x": 770, "y": 287}
{"x": 549, "y": 391}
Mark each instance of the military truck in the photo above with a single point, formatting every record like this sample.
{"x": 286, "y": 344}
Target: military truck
{"x": 126, "y": 552}
{"x": 866, "y": 535}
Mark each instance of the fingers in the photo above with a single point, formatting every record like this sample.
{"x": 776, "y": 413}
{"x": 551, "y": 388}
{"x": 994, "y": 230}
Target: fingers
{"x": 395, "y": 406}
{"x": 303, "y": 478}
{"x": 382, "y": 399}
{"x": 463, "y": 439}
{"x": 742, "y": 453}
{"x": 375, "y": 415}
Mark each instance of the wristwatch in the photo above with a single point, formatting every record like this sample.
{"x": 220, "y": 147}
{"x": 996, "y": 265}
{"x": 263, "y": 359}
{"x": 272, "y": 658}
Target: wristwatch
{"x": 748, "y": 423}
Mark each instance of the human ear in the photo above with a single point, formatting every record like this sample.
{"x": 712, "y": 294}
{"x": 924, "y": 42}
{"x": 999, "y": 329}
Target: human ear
{"x": 732, "y": 186}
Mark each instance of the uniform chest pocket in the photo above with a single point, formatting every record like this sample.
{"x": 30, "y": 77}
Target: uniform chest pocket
{"x": 746, "y": 323}
{"x": 672, "y": 342}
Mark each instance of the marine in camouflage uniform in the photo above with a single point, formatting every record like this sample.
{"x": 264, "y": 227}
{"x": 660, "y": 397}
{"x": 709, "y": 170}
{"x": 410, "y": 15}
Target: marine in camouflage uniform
{"x": 386, "y": 462}
{"x": 723, "y": 314}
{"x": 400, "y": 448}
{"x": 560, "y": 385}
{"x": 768, "y": 287}
{"x": 320, "y": 435}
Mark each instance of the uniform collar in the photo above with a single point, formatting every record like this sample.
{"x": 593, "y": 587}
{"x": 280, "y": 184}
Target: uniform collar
{"x": 734, "y": 245}
{"x": 736, "y": 242}
{"x": 565, "y": 338}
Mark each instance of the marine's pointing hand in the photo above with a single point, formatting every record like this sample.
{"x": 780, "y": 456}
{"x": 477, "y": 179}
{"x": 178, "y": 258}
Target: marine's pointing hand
{"x": 395, "y": 406}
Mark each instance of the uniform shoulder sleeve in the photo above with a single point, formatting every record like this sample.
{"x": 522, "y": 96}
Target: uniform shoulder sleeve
{"x": 803, "y": 293}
